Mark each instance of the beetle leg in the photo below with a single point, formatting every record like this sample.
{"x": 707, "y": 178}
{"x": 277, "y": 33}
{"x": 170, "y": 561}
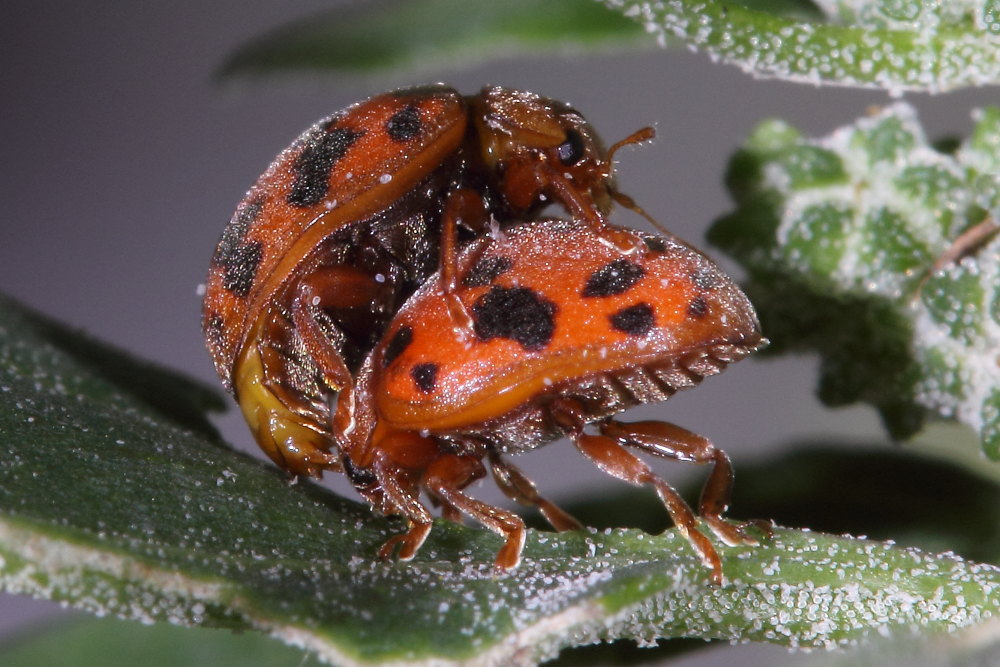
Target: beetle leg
{"x": 464, "y": 207}
{"x": 445, "y": 479}
{"x": 615, "y": 460}
{"x": 582, "y": 207}
{"x": 674, "y": 442}
{"x": 520, "y": 489}
{"x": 400, "y": 497}
{"x": 332, "y": 287}
{"x": 335, "y": 373}
{"x": 339, "y": 286}
{"x": 336, "y": 287}
{"x": 448, "y": 511}
{"x": 612, "y": 458}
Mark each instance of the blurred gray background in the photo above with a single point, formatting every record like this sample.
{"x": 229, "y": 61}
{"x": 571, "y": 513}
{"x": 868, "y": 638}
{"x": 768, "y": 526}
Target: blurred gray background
{"x": 123, "y": 160}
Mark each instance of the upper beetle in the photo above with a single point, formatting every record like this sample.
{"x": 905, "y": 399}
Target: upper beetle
{"x": 354, "y": 215}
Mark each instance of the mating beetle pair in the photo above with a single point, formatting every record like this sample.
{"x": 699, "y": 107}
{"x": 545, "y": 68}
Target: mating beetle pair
{"x": 387, "y": 303}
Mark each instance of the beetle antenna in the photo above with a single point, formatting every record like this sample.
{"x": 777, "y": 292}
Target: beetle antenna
{"x": 639, "y": 136}
{"x": 629, "y": 203}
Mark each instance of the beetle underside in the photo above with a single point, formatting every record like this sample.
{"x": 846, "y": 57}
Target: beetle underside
{"x": 443, "y": 466}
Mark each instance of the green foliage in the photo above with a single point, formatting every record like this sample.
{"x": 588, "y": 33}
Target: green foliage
{"x": 115, "y": 504}
{"x": 108, "y": 642}
{"x": 426, "y": 34}
{"x": 841, "y": 236}
{"x": 892, "y": 44}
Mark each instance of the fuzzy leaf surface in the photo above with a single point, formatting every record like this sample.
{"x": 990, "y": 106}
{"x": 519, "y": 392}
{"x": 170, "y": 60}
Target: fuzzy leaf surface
{"x": 927, "y": 45}
{"x": 113, "y": 504}
{"x": 841, "y": 236}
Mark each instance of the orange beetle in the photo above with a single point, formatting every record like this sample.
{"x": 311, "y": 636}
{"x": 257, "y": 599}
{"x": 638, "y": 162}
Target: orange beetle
{"x": 568, "y": 330}
{"x": 358, "y": 212}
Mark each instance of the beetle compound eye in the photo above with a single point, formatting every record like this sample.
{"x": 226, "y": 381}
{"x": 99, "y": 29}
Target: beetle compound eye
{"x": 571, "y": 151}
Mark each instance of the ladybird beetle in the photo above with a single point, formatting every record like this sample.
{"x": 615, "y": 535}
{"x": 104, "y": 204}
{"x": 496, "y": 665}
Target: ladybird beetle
{"x": 358, "y": 212}
{"x": 567, "y": 331}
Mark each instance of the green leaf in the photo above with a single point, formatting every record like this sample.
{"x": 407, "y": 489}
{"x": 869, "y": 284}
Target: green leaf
{"x": 921, "y": 501}
{"x": 430, "y": 34}
{"x": 847, "y": 266}
{"x": 106, "y": 642}
{"x": 893, "y": 44}
{"x": 37, "y": 343}
{"x": 112, "y": 505}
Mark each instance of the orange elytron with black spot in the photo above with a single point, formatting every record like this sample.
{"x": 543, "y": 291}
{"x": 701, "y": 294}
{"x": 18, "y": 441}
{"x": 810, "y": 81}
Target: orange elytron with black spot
{"x": 568, "y": 330}
{"x": 357, "y": 213}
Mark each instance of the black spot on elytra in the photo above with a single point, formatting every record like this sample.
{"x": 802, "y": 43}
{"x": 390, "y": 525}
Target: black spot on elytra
{"x": 360, "y": 477}
{"x": 486, "y": 270}
{"x": 399, "y": 342}
{"x": 213, "y": 321}
{"x": 312, "y": 166}
{"x": 213, "y": 326}
{"x": 241, "y": 268}
{"x": 404, "y": 124}
{"x": 705, "y": 278}
{"x": 425, "y": 376}
{"x": 698, "y": 307}
{"x": 655, "y": 244}
{"x": 232, "y": 238}
{"x": 517, "y": 313}
{"x": 635, "y": 320}
{"x": 613, "y": 278}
